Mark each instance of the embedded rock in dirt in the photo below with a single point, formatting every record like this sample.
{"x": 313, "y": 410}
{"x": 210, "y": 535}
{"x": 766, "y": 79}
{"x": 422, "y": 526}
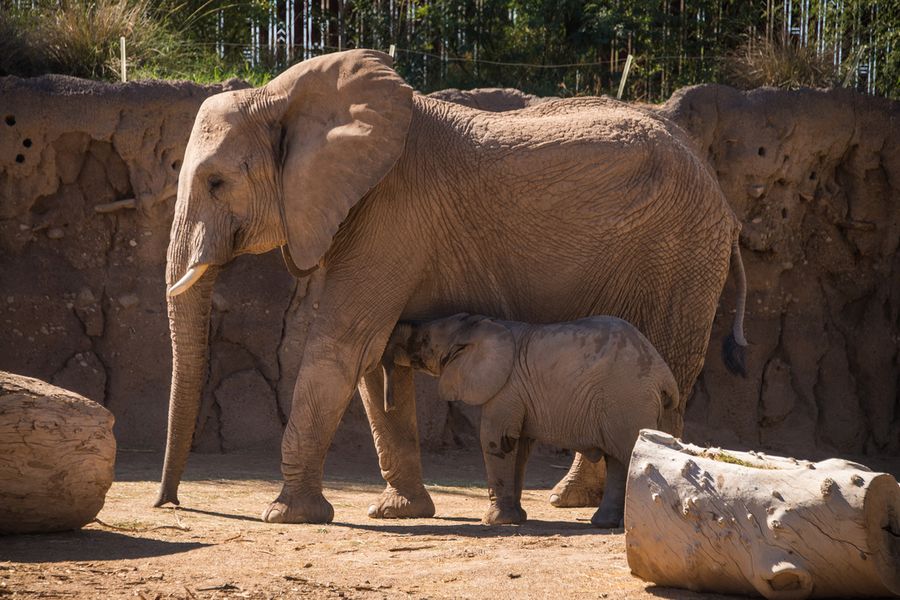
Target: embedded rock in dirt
{"x": 57, "y": 453}
{"x": 85, "y": 218}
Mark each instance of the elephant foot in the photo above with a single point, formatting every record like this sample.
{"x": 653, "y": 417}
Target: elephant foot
{"x": 606, "y": 518}
{"x": 573, "y": 494}
{"x": 298, "y": 508}
{"x": 394, "y": 504}
{"x": 504, "y": 515}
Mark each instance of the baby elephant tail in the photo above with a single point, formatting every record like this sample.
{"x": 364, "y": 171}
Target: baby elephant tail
{"x": 671, "y": 412}
{"x": 734, "y": 347}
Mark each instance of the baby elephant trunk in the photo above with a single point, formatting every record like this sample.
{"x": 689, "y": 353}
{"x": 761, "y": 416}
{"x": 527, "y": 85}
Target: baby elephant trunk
{"x": 671, "y": 412}
{"x": 394, "y": 354}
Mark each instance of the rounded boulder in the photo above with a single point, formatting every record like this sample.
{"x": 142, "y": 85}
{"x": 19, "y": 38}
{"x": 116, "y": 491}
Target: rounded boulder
{"x": 57, "y": 456}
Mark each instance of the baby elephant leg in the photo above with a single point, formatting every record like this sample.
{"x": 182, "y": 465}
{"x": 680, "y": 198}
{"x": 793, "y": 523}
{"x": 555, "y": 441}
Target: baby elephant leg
{"x": 612, "y": 507}
{"x": 500, "y": 444}
{"x": 524, "y": 450}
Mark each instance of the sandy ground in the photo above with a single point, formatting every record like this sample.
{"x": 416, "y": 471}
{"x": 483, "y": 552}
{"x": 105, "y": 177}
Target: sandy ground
{"x": 215, "y": 546}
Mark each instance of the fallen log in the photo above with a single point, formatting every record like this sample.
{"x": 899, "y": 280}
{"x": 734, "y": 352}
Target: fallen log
{"x": 57, "y": 454}
{"x": 712, "y": 520}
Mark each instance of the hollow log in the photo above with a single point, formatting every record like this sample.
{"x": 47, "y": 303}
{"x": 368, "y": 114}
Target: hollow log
{"x": 724, "y": 521}
{"x": 57, "y": 454}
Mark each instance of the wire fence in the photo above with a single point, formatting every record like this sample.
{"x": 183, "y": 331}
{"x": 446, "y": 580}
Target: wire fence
{"x": 549, "y": 48}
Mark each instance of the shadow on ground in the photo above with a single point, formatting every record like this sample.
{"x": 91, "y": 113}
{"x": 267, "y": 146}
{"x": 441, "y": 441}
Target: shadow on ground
{"x": 472, "y": 528}
{"x": 87, "y": 545}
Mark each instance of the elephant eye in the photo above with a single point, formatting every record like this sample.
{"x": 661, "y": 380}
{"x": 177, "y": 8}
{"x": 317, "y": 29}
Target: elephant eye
{"x": 454, "y": 351}
{"x": 215, "y": 182}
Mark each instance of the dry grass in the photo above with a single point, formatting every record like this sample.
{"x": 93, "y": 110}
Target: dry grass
{"x": 782, "y": 64}
{"x": 81, "y": 37}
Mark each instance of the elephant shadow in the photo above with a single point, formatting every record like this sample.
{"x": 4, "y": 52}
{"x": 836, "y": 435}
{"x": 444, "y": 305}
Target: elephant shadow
{"x": 87, "y": 545}
{"x": 473, "y": 528}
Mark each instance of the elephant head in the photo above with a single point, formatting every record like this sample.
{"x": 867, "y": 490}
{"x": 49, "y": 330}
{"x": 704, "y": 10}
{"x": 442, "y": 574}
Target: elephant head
{"x": 280, "y": 165}
{"x": 473, "y": 356}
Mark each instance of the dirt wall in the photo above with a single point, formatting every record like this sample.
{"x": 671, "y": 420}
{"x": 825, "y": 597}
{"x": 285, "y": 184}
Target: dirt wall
{"x": 82, "y": 299}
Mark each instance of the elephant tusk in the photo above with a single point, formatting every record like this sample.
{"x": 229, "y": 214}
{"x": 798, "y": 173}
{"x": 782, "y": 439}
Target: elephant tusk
{"x": 189, "y": 279}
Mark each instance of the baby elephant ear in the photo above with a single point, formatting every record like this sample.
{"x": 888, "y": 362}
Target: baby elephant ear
{"x": 481, "y": 360}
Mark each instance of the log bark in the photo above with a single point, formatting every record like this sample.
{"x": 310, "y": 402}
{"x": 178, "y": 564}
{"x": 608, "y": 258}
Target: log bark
{"x": 57, "y": 455}
{"x": 735, "y": 522}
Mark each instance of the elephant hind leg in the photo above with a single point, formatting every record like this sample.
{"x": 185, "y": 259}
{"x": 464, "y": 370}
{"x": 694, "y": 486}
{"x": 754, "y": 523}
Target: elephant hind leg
{"x": 582, "y": 485}
{"x": 397, "y": 442}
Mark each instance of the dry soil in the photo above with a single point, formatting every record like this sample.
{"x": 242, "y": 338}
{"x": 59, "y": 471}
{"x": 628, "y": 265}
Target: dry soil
{"x": 215, "y": 546}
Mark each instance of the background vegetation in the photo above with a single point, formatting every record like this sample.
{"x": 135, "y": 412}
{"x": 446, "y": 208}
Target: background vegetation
{"x": 547, "y": 47}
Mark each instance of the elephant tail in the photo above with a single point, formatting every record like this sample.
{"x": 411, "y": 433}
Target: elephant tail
{"x": 734, "y": 347}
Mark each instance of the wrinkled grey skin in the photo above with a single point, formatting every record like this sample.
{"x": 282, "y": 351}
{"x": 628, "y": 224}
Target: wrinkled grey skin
{"x": 589, "y": 385}
{"x": 408, "y": 207}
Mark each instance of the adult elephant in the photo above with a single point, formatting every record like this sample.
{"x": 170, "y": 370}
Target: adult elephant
{"x": 407, "y": 207}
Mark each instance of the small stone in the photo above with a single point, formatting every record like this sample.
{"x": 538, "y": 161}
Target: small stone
{"x": 132, "y": 243}
{"x": 44, "y": 330}
{"x": 757, "y": 220}
{"x": 315, "y": 306}
{"x": 219, "y": 302}
{"x": 129, "y": 300}
{"x": 55, "y": 233}
{"x": 24, "y": 227}
{"x": 86, "y": 296}
{"x": 755, "y": 191}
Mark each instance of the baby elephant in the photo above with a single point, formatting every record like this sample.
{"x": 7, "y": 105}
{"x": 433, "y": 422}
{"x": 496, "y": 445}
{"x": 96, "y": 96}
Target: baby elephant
{"x": 588, "y": 385}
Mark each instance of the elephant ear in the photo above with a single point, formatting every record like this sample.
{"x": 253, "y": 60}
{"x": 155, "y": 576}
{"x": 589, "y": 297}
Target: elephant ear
{"x": 340, "y": 122}
{"x": 478, "y": 364}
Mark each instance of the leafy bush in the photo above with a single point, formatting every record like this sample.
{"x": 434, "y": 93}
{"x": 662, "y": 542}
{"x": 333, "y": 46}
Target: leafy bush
{"x": 782, "y": 64}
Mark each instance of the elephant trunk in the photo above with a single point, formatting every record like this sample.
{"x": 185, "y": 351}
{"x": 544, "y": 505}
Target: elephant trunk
{"x": 189, "y": 316}
{"x": 394, "y": 354}
{"x": 189, "y": 298}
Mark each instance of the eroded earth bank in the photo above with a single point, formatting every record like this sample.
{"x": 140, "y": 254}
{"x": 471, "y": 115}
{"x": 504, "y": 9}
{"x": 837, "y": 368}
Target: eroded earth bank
{"x": 88, "y": 176}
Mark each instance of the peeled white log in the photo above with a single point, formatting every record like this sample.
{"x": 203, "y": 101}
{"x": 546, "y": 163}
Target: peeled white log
{"x": 735, "y": 522}
{"x": 57, "y": 454}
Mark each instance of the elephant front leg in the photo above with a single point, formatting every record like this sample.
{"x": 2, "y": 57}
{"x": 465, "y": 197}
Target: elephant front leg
{"x": 321, "y": 396}
{"x": 582, "y": 485}
{"x": 396, "y": 438}
{"x": 504, "y": 462}
{"x": 612, "y": 508}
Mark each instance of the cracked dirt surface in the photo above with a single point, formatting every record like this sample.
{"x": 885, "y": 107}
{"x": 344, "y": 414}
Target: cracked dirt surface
{"x": 215, "y": 546}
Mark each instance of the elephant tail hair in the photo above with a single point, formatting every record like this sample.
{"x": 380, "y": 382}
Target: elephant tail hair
{"x": 734, "y": 347}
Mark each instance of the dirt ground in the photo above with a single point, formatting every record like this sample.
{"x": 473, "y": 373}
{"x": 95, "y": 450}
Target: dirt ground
{"x": 215, "y": 546}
